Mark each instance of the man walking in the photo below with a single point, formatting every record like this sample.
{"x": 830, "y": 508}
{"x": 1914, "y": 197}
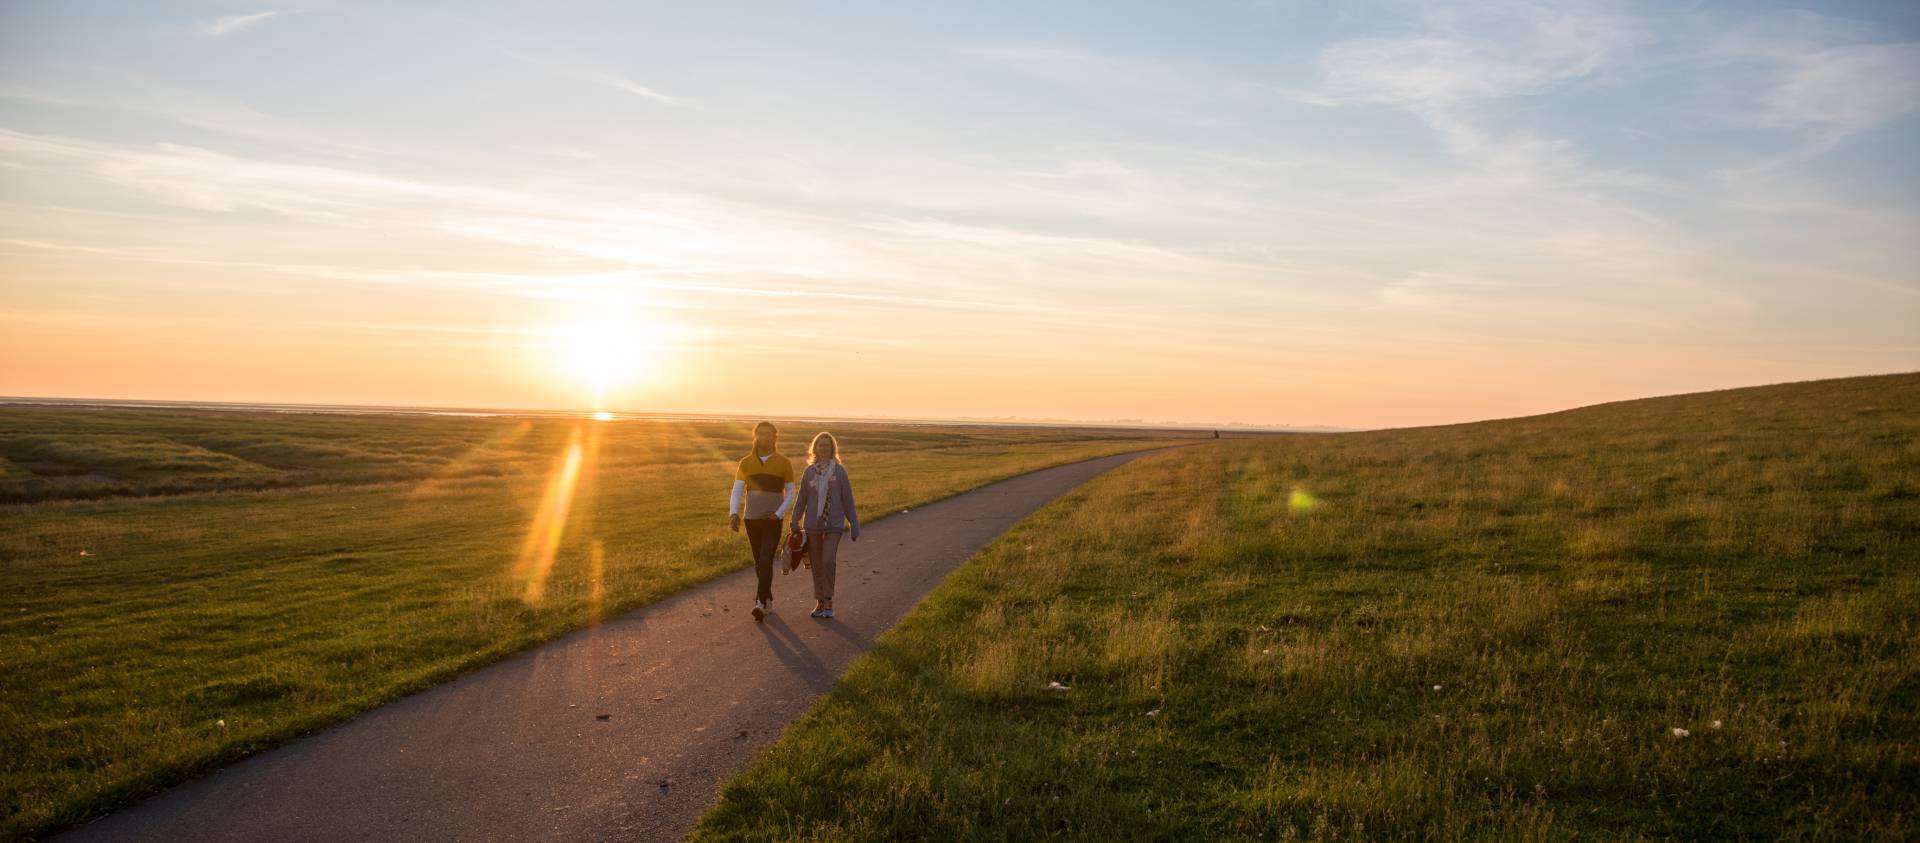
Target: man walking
{"x": 762, "y": 495}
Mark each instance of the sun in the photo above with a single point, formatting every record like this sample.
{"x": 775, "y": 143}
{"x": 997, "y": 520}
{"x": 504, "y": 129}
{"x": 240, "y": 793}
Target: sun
{"x": 603, "y": 352}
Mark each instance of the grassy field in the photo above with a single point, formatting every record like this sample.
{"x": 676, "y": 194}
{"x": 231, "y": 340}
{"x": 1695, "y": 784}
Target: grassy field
{"x": 1680, "y": 618}
{"x": 281, "y": 572}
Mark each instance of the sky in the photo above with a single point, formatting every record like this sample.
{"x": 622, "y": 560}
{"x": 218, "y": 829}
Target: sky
{"x": 1274, "y": 213}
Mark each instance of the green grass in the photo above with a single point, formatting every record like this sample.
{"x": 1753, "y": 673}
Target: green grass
{"x": 1467, "y": 632}
{"x": 380, "y": 556}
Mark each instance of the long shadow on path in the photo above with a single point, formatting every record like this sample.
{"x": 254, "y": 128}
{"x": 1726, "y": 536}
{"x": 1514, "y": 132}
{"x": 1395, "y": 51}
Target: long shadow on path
{"x": 795, "y": 655}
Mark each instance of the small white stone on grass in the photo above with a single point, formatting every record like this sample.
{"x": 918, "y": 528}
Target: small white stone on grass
{"x": 1055, "y": 686}
{"x": 1716, "y": 724}
{"x": 1680, "y": 733}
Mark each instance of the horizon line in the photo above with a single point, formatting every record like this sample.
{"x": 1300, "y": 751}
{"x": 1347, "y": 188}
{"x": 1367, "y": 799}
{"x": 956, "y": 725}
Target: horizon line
{"x": 634, "y": 415}
{"x": 630, "y": 415}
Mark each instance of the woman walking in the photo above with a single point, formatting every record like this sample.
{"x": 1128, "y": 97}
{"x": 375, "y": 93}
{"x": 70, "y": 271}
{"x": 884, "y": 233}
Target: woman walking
{"x": 825, "y": 511}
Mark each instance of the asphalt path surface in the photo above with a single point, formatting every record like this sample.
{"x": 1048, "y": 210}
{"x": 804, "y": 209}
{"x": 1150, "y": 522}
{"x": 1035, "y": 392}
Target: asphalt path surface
{"x": 624, "y": 731}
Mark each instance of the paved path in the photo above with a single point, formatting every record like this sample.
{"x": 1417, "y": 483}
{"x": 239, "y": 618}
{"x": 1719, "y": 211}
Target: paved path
{"x": 620, "y": 732}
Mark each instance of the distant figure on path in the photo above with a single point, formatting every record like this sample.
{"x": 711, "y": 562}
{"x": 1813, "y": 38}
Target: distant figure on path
{"x": 762, "y": 495}
{"x": 826, "y": 505}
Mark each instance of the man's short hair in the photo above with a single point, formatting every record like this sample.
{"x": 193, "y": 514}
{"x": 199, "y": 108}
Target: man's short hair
{"x": 768, "y": 425}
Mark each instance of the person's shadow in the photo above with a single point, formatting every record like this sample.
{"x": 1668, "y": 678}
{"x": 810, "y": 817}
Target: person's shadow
{"x": 853, "y": 637}
{"x": 792, "y": 651}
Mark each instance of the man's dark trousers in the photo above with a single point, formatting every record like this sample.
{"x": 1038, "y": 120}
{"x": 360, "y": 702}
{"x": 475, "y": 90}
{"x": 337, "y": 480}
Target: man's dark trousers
{"x": 764, "y": 535}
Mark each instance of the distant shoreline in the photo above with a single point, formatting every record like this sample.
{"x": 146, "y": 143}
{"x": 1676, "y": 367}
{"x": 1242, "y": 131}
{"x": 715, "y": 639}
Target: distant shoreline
{"x": 375, "y": 410}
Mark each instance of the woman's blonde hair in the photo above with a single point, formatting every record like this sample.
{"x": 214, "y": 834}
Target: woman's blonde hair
{"x": 813, "y": 448}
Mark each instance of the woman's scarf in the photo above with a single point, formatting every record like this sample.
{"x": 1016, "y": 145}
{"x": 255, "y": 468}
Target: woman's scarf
{"x": 822, "y": 484}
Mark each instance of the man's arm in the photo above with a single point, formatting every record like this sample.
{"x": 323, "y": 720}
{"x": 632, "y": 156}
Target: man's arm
{"x": 786, "y": 503}
{"x": 733, "y": 504}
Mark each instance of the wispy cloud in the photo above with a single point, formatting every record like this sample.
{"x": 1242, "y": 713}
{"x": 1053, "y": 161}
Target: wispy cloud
{"x": 1471, "y": 51}
{"x": 222, "y": 27}
{"x": 660, "y": 234}
{"x": 1811, "y": 73}
{"x": 1000, "y": 239}
{"x": 205, "y": 179}
{"x": 1812, "y": 80}
{"x": 1477, "y": 52}
{"x": 1553, "y": 311}
{"x": 54, "y": 247}
{"x": 1430, "y": 291}
{"x": 133, "y": 94}
{"x": 601, "y": 78}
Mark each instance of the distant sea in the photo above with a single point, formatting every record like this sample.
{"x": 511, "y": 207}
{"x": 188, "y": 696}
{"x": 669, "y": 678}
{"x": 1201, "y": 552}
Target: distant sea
{"x": 357, "y": 410}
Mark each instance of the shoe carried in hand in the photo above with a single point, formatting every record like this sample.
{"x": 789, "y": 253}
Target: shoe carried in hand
{"x": 796, "y": 552}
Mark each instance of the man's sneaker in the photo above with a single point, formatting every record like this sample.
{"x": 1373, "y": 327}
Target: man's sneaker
{"x": 759, "y": 609}
{"x": 818, "y": 607}
{"x": 826, "y": 611}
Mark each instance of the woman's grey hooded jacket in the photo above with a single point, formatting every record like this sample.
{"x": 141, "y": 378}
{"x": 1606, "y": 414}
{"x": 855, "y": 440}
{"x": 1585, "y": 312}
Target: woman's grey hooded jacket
{"x": 838, "y": 513}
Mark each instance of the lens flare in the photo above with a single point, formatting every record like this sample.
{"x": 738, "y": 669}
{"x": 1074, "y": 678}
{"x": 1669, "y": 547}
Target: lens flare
{"x": 535, "y": 562}
{"x": 1302, "y": 501}
{"x": 489, "y": 449}
{"x": 597, "y": 572}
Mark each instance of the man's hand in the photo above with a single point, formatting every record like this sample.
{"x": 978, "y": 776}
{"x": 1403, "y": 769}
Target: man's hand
{"x": 734, "y": 520}
{"x": 855, "y": 534}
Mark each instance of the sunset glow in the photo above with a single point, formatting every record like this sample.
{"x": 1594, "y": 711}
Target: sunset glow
{"x": 1391, "y": 214}
{"x": 603, "y": 353}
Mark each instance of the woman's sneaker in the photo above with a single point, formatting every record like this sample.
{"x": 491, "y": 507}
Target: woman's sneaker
{"x": 759, "y": 610}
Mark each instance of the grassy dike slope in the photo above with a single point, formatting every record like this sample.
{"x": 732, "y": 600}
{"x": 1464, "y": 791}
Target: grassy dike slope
{"x": 1482, "y": 630}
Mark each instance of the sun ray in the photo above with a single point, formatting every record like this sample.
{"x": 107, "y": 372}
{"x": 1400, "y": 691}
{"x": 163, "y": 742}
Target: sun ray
{"x": 596, "y": 572}
{"x": 535, "y": 562}
{"x": 454, "y": 468}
